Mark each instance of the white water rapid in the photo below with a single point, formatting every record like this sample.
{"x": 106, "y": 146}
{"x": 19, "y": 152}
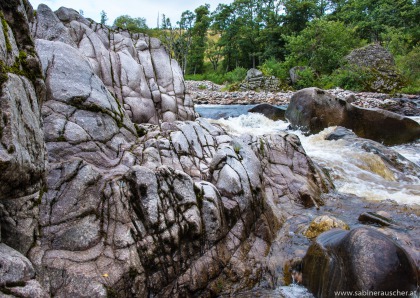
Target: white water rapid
{"x": 353, "y": 170}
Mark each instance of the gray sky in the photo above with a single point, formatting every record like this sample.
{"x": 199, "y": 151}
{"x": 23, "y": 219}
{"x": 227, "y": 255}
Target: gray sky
{"x": 141, "y": 8}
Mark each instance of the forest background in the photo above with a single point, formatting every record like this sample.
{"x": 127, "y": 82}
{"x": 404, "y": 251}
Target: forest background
{"x": 275, "y": 36}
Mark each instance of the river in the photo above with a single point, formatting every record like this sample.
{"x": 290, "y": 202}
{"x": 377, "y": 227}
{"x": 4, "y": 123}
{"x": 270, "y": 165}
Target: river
{"x": 354, "y": 171}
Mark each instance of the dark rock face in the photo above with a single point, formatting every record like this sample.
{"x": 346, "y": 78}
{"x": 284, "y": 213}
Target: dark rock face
{"x": 380, "y": 63}
{"x": 269, "y": 111}
{"x": 22, "y": 150}
{"x": 360, "y": 260}
{"x": 313, "y": 109}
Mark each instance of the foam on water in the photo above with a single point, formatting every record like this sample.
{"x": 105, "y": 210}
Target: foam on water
{"x": 293, "y": 291}
{"x": 353, "y": 170}
{"x": 252, "y": 123}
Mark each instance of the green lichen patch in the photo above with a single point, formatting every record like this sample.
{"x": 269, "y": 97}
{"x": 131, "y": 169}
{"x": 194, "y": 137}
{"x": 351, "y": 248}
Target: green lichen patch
{"x": 6, "y": 32}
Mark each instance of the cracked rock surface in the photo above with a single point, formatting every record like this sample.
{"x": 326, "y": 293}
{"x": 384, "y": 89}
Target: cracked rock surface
{"x": 113, "y": 188}
{"x": 135, "y": 68}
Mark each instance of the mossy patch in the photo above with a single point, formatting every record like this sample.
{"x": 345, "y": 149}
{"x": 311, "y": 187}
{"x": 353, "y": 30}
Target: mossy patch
{"x": 6, "y": 32}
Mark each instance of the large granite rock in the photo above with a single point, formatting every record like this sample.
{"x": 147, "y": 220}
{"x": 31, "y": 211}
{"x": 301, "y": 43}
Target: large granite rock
{"x": 135, "y": 68}
{"x": 22, "y": 151}
{"x": 313, "y": 109}
{"x": 136, "y": 203}
{"x": 380, "y": 64}
{"x": 360, "y": 260}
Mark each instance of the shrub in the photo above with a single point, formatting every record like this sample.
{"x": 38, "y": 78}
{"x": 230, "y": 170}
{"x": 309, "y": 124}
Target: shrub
{"x": 307, "y": 78}
{"x": 410, "y": 68}
{"x": 236, "y": 75}
{"x": 349, "y": 77}
{"x": 272, "y": 67}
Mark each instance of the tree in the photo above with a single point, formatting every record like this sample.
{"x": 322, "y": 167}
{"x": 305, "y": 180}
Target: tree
{"x": 104, "y": 17}
{"x": 214, "y": 53}
{"x": 132, "y": 24}
{"x": 371, "y": 18}
{"x": 321, "y": 45}
{"x": 168, "y": 35}
{"x": 199, "y": 38}
{"x": 183, "y": 43}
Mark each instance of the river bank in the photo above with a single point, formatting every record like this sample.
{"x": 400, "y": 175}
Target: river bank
{"x": 205, "y": 92}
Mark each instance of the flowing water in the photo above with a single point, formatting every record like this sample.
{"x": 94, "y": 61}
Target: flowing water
{"x": 354, "y": 171}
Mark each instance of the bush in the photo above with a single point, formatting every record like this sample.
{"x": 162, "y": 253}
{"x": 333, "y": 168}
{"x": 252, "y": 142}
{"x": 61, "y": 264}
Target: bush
{"x": 349, "y": 77}
{"x": 272, "y": 67}
{"x": 307, "y": 78}
{"x": 410, "y": 68}
{"x": 236, "y": 75}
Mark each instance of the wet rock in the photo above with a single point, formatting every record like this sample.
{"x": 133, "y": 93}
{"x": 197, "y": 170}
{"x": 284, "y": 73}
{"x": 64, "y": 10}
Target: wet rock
{"x": 390, "y": 164}
{"x": 340, "y": 133}
{"x": 324, "y": 223}
{"x": 269, "y": 111}
{"x": 374, "y": 218}
{"x": 360, "y": 260}
{"x": 313, "y": 109}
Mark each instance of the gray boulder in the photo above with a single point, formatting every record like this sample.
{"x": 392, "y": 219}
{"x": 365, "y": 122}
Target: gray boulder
{"x": 17, "y": 275}
{"x": 269, "y": 111}
{"x": 380, "y": 63}
{"x": 313, "y": 109}
{"x": 360, "y": 260}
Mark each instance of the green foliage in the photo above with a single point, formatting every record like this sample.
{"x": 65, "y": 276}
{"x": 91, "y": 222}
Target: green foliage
{"x": 306, "y": 78}
{"x": 5, "y": 32}
{"x": 371, "y": 18}
{"x": 273, "y": 67}
{"x": 278, "y": 35}
{"x": 349, "y": 77}
{"x": 199, "y": 39}
{"x": 136, "y": 25}
{"x": 409, "y": 66}
{"x": 322, "y": 45}
{"x": 236, "y": 75}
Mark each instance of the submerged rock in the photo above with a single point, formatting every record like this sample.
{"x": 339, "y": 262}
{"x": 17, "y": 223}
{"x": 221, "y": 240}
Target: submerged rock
{"x": 324, "y": 223}
{"x": 313, "y": 109}
{"x": 360, "y": 260}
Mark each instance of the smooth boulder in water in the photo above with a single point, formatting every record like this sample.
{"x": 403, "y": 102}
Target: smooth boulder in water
{"x": 313, "y": 109}
{"x": 360, "y": 260}
{"x": 269, "y": 111}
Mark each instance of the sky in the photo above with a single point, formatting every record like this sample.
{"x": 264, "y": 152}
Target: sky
{"x": 148, "y": 9}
